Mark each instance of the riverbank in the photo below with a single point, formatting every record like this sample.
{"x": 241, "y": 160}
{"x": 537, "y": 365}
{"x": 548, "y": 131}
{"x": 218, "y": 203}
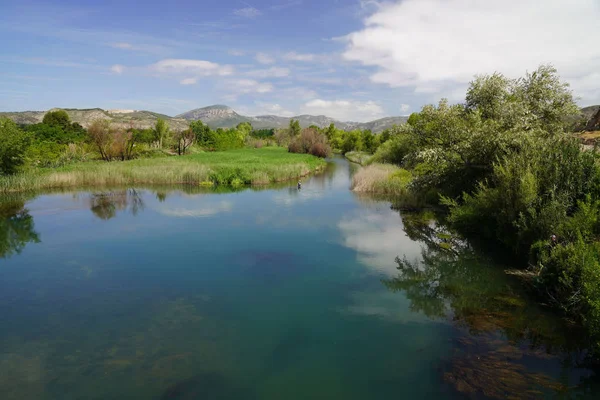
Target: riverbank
{"x": 245, "y": 166}
{"x": 358, "y": 157}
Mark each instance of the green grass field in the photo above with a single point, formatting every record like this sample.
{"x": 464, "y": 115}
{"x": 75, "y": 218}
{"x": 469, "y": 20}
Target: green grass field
{"x": 245, "y": 166}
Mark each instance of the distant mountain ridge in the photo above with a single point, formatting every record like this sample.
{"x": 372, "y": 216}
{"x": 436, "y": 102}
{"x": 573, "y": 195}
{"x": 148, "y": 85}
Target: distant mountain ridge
{"x": 221, "y": 116}
{"x": 215, "y": 116}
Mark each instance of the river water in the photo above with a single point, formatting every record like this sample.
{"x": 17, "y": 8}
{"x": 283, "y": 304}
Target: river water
{"x": 278, "y": 293}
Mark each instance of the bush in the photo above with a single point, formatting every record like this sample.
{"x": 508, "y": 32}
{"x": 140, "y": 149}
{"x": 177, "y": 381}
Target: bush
{"x": 13, "y": 146}
{"x": 309, "y": 141}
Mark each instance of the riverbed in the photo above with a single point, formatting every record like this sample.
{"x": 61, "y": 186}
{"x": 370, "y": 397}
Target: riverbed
{"x": 264, "y": 293}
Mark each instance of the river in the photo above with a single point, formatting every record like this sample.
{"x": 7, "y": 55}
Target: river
{"x": 277, "y": 293}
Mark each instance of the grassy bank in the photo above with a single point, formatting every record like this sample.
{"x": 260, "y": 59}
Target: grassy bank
{"x": 389, "y": 180}
{"x": 233, "y": 167}
{"x": 358, "y": 157}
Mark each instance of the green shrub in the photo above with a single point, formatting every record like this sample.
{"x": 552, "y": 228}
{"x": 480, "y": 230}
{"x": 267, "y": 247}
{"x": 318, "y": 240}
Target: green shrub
{"x": 13, "y": 146}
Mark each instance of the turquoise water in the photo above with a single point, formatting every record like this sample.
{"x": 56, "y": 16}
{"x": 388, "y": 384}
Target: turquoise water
{"x": 263, "y": 294}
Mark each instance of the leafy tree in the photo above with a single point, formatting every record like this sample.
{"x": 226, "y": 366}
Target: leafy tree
{"x": 13, "y": 146}
{"x": 294, "y": 128}
{"x": 58, "y": 118}
{"x": 352, "y": 141}
{"x": 205, "y": 136}
{"x": 161, "y": 132}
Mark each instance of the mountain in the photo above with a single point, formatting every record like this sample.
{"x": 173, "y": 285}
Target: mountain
{"x": 124, "y": 118}
{"x": 220, "y": 116}
{"x": 591, "y": 115}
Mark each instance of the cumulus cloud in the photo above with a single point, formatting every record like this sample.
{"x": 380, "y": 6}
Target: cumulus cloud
{"x": 247, "y": 12}
{"x": 187, "y": 66}
{"x": 345, "y": 110}
{"x": 117, "y": 69}
{"x": 244, "y": 86}
{"x": 189, "y": 81}
{"x": 435, "y": 46}
{"x": 264, "y": 58}
{"x": 273, "y": 72}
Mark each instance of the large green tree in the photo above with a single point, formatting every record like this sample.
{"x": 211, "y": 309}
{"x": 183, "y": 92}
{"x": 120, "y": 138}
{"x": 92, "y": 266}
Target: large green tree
{"x": 58, "y": 118}
{"x": 13, "y": 145}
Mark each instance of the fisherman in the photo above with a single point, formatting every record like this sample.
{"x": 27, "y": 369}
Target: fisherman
{"x": 299, "y": 185}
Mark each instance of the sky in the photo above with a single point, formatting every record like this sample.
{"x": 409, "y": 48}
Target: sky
{"x": 354, "y": 60}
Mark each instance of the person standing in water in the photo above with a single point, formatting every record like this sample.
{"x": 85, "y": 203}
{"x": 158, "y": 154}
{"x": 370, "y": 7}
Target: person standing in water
{"x": 299, "y": 185}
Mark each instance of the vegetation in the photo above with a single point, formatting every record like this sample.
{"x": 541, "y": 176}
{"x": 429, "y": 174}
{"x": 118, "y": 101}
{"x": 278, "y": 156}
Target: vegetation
{"x": 310, "y": 141}
{"x": 13, "y": 144}
{"x": 506, "y": 167}
{"x": 233, "y": 167}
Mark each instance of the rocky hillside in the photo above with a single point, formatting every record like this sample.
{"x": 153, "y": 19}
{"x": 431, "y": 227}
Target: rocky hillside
{"x": 140, "y": 119}
{"x": 220, "y": 116}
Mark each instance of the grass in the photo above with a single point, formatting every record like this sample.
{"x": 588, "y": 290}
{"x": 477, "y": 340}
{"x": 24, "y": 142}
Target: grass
{"x": 238, "y": 167}
{"x": 358, "y": 157}
{"x": 381, "y": 179}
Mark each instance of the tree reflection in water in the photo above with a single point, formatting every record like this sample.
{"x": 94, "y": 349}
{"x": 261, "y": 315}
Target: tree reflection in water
{"x": 500, "y": 331}
{"x": 105, "y": 205}
{"x": 16, "y": 226}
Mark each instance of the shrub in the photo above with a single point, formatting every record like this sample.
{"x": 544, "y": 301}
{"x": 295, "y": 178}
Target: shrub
{"x": 13, "y": 145}
{"x": 309, "y": 141}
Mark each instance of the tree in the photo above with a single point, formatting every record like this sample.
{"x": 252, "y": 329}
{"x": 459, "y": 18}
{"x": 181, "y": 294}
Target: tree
{"x": 294, "y": 128}
{"x": 204, "y": 135}
{"x": 13, "y": 145}
{"x": 100, "y": 135}
{"x": 16, "y": 226}
{"x": 183, "y": 139}
{"x": 161, "y": 132}
{"x": 58, "y": 118}
{"x": 352, "y": 141}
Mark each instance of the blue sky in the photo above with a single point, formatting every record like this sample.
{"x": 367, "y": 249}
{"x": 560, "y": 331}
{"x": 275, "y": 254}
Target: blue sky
{"x": 353, "y": 60}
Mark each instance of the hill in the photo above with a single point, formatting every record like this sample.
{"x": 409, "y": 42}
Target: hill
{"x": 220, "y": 116}
{"x": 140, "y": 119}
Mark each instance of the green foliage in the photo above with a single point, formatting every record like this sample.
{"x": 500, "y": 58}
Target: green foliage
{"x": 13, "y": 146}
{"x": 294, "y": 128}
{"x": 59, "y": 119}
{"x": 263, "y": 133}
{"x": 161, "y": 132}
{"x": 16, "y": 226}
{"x": 352, "y": 141}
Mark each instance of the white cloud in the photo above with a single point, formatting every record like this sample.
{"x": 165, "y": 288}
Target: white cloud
{"x": 273, "y": 72}
{"x": 293, "y": 56}
{"x": 264, "y": 58}
{"x": 122, "y": 45}
{"x": 117, "y": 69}
{"x": 404, "y": 108}
{"x": 189, "y": 81}
{"x": 207, "y": 211}
{"x": 243, "y": 86}
{"x": 186, "y": 66}
{"x": 378, "y": 237}
{"x": 345, "y": 110}
{"x": 247, "y": 12}
{"x": 436, "y": 45}
{"x": 262, "y": 108}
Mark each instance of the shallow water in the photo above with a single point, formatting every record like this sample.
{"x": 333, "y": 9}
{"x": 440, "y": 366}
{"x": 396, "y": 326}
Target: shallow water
{"x": 276, "y": 293}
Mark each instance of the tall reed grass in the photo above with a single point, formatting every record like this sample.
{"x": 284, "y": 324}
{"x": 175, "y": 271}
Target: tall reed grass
{"x": 238, "y": 167}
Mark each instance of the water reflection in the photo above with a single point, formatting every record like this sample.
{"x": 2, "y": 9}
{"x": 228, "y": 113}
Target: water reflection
{"x": 105, "y": 205}
{"x": 16, "y": 226}
{"x": 452, "y": 280}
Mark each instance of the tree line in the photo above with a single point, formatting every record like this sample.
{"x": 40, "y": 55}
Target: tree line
{"x": 505, "y": 167}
